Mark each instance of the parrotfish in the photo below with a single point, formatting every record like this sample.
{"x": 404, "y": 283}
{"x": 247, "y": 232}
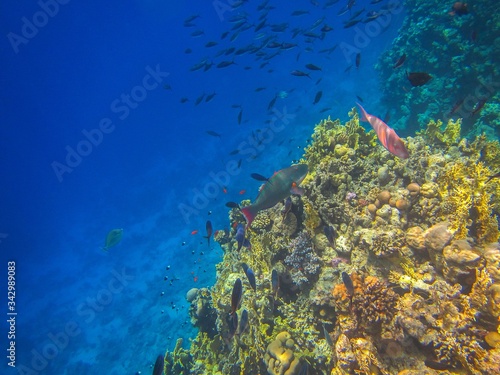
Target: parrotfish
{"x": 278, "y": 187}
{"x": 386, "y": 135}
{"x": 113, "y": 238}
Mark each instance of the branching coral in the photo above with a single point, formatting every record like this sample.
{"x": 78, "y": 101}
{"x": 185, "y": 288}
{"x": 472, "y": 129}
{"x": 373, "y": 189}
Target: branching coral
{"x": 463, "y": 187}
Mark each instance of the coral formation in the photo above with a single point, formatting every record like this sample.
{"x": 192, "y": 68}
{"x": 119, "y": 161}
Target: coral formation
{"x": 418, "y": 239}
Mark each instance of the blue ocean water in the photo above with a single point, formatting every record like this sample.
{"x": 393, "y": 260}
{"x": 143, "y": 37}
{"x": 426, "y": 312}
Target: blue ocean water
{"x": 96, "y": 136}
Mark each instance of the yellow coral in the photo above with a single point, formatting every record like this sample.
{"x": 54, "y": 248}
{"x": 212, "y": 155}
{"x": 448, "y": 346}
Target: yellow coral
{"x": 312, "y": 220}
{"x": 449, "y": 136}
{"x": 463, "y": 187}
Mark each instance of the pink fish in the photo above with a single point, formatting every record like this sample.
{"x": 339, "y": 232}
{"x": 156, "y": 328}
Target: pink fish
{"x": 386, "y": 135}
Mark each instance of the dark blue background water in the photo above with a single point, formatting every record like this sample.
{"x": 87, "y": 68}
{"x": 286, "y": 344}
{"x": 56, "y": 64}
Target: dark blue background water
{"x": 62, "y": 82}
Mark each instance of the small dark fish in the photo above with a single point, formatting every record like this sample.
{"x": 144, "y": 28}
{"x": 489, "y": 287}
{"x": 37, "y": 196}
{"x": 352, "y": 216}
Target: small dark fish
{"x": 213, "y": 134}
{"x": 240, "y": 115}
{"x": 358, "y": 60}
{"x": 477, "y": 108}
{"x": 387, "y": 116}
{"x": 400, "y": 61}
{"x": 211, "y": 44}
{"x": 240, "y": 235}
{"x": 236, "y": 106}
{"x": 318, "y": 96}
{"x": 236, "y": 296}
{"x": 496, "y": 175}
{"x": 258, "y": 177}
{"x": 232, "y": 323}
{"x": 418, "y": 78}
{"x": 436, "y": 365}
{"x": 347, "y": 283}
{"x": 232, "y": 205}
{"x": 327, "y": 336}
{"x": 325, "y": 109}
{"x": 360, "y": 98}
{"x": 188, "y": 50}
{"x": 184, "y": 100}
{"x": 243, "y": 322}
{"x": 304, "y": 369}
{"x": 199, "y": 99}
{"x": 239, "y": 162}
{"x": 299, "y": 12}
{"x": 348, "y": 69}
{"x": 259, "y": 89}
{"x": 326, "y": 29}
{"x": 197, "y": 33}
{"x": 456, "y": 106}
{"x": 210, "y": 97}
{"x": 286, "y": 207}
{"x": 234, "y": 152}
{"x": 275, "y": 282}
{"x": 459, "y": 8}
{"x": 299, "y": 73}
{"x": 271, "y": 103}
{"x": 330, "y": 234}
{"x": 158, "y": 369}
{"x": 224, "y": 64}
{"x": 351, "y": 23}
{"x": 210, "y": 230}
{"x": 250, "y": 276}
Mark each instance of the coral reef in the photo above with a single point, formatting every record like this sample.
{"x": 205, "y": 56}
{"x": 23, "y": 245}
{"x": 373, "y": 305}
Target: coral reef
{"x": 459, "y": 53}
{"x": 417, "y": 237}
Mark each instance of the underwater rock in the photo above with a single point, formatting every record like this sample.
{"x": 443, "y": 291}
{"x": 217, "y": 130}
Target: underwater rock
{"x": 202, "y": 312}
{"x": 191, "y": 294}
{"x": 414, "y": 189}
{"x": 288, "y": 225}
{"x": 383, "y": 175}
{"x": 429, "y": 190}
{"x": 346, "y": 360}
{"x": 279, "y": 357}
{"x": 415, "y": 238}
{"x": 492, "y": 256}
{"x": 436, "y": 238}
{"x": 460, "y": 262}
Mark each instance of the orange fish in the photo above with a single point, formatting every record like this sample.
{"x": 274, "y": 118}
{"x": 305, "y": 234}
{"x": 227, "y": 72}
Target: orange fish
{"x": 224, "y": 190}
{"x": 242, "y": 192}
{"x": 386, "y": 135}
{"x": 195, "y": 279}
{"x": 194, "y": 232}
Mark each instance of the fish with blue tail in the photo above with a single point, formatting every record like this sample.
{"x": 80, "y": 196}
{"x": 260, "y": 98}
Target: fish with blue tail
{"x": 240, "y": 237}
{"x": 277, "y": 188}
{"x": 330, "y": 234}
{"x": 250, "y": 275}
{"x": 236, "y": 295}
{"x": 349, "y": 286}
{"x": 243, "y": 322}
{"x": 287, "y": 206}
